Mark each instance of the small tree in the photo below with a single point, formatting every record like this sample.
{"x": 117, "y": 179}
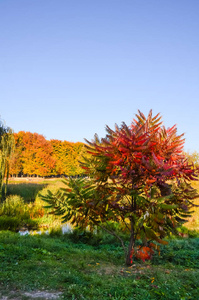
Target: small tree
{"x": 6, "y": 150}
{"x": 138, "y": 177}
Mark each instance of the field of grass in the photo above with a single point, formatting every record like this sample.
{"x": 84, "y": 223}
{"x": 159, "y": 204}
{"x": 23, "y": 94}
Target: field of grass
{"x": 71, "y": 268}
{"x": 81, "y": 265}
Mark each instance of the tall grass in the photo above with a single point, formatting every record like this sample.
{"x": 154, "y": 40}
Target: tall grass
{"x": 14, "y": 214}
{"x": 28, "y": 191}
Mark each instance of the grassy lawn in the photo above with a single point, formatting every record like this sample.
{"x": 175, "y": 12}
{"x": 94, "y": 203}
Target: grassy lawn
{"x": 40, "y": 266}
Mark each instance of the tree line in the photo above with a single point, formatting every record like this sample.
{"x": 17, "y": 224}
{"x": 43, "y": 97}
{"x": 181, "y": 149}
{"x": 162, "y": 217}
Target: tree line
{"x": 33, "y": 155}
{"x": 36, "y": 156}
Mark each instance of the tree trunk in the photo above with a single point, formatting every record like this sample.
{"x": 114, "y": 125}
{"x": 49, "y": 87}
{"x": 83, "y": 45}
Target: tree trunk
{"x": 129, "y": 257}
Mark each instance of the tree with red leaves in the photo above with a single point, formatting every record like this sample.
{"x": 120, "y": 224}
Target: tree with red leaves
{"x": 139, "y": 178}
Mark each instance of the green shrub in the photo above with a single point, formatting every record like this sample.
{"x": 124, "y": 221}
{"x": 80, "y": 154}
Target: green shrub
{"x": 193, "y": 233}
{"x": 14, "y": 206}
{"x": 14, "y": 214}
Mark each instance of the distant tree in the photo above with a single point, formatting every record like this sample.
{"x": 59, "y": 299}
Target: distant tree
{"x": 16, "y": 164}
{"x": 33, "y": 155}
{"x": 57, "y": 149}
{"x": 6, "y": 149}
{"x": 67, "y": 156}
{"x": 44, "y": 161}
{"x": 139, "y": 178}
{"x": 78, "y": 152}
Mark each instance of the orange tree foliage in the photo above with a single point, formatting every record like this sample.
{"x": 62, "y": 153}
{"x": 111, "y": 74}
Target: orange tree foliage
{"x": 139, "y": 178}
{"x": 34, "y": 155}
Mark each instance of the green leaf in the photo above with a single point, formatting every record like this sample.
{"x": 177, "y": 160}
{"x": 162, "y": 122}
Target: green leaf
{"x": 168, "y": 206}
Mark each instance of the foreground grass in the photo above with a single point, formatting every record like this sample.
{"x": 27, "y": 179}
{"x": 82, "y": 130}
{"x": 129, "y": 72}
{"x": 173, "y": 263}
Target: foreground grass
{"x": 95, "y": 270}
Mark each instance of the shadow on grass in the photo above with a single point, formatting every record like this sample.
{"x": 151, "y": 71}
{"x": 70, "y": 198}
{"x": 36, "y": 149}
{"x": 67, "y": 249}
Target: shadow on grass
{"x": 28, "y": 191}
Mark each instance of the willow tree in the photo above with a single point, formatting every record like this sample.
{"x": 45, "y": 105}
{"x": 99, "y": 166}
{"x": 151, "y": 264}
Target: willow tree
{"x": 139, "y": 178}
{"x": 6, "y": 149}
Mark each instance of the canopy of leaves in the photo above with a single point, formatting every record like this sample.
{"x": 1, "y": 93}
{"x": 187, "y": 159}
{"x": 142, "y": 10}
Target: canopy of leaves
{"x": 34, "y": 155}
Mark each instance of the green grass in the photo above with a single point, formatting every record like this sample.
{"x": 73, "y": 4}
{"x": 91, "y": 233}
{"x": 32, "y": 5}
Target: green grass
{"x": 28, "y": 191}
{"x": 95, "y": 270}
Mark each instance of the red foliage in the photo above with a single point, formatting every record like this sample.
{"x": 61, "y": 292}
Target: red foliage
{"x": 144, "y": 253}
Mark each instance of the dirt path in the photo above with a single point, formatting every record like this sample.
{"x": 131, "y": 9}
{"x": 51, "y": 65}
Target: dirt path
{"x": 39, "y": 295}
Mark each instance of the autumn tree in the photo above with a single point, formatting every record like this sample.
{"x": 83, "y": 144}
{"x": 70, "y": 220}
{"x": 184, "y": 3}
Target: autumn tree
{"x": 16, "y": 163}
{"x": 33, "y": 155}
{"x": 67, "y": 156}
{"x": 78, "y": 153}
{"x": 139, "y": 177}
{"x": 6, "y": 149}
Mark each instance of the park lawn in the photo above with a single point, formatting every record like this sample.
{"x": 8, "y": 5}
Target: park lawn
{"x": 73, "y": 267}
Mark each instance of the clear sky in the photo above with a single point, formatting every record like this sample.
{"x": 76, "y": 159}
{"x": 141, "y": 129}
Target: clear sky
{"x": 69, "y": 67}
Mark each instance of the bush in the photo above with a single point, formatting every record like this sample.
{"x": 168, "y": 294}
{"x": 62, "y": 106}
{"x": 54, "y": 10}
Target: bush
{"x": 14, "y": 206}
{"x": 14, "y": 214}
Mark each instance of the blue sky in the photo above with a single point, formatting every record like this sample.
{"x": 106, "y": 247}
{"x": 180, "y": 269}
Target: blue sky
{"x": 68, "y": 68}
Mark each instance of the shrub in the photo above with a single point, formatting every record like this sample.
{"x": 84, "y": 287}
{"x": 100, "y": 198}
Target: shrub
{"x": 14, "y": 206}
{"x": 14, "y": 214}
